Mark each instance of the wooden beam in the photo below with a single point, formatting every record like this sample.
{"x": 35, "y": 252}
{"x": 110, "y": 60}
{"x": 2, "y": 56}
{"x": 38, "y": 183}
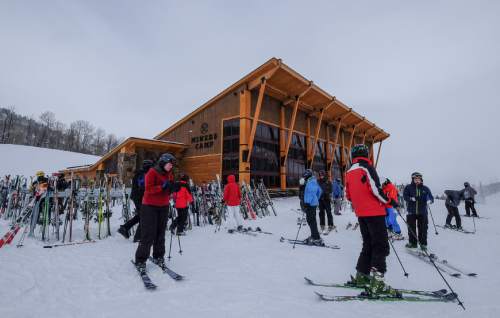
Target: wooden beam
{"x": 364, "y": 138}
{"x": 316, "y": 135}
{"x": 378, "y": 153}
{"x": 245, "y": 109}
{"x": 282, "y": 147}
{"x": 257, "y": 82}
{"x": 301, "y": 95}
{"x": 327, "y": 150}
{"x": 256, "y": 117}
{"x": 290, "y": 131}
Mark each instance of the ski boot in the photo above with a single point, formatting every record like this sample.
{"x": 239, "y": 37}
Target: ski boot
{"x": 239, "y": 228}
{"x": 123, "y": 231}
{"x": 378, "y": 287}
{"x": 398, "y": 237}
{"x": 411, "y": 246}
{"x": 308, "y": 240}
{"x": 159, "y": 261}
{"x": 448, "y": 226}
{"x": 423, "y": 248}
{"x": 322, "y": 228}
{"x": 141, "y": 267}
{"x": 318, "y": 242}
{"x": 360, "y": 280}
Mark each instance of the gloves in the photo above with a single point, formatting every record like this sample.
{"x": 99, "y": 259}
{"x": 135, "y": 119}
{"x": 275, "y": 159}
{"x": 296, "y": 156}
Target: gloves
{"x": 413, "y": 199}
{"x": 394, "y": 204}
{"x": 167, "y": 185}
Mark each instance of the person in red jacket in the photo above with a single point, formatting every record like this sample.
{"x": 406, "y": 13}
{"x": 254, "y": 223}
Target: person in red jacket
{"x": 158, "y": 186}
{"x": 183, "y": 199}
{"x": 391, "y": 220}
{"x": 232, "y": 199}
{"x": 368, "y": 202}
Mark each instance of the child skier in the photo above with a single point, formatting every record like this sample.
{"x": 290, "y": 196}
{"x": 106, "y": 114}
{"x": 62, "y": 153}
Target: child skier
{"x": 368, "y": 201}
{"x": 391, "y": 221}
{"x": 183, "y": 199}
{"x": 232, "y": 199}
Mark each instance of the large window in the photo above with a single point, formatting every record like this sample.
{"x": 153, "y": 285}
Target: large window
{"x": 296, "y": 161}
{"x": 264, "y": 163}
{"x": 319, "y": 160}
{"x": 231, "y": 148}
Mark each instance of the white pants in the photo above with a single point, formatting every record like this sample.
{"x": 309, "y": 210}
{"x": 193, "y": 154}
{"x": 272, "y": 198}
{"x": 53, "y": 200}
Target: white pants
{"x": 235, "y": 212}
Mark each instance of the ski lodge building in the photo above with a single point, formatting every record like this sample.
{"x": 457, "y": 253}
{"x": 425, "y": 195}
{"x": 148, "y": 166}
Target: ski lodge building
{"x": 272, "y": 124}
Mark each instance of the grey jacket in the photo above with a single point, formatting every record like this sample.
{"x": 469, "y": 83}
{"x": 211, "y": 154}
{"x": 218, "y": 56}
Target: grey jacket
{"x": 469, "y": 193}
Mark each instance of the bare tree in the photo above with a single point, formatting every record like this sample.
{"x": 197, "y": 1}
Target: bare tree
{"x": 111, "y": 142}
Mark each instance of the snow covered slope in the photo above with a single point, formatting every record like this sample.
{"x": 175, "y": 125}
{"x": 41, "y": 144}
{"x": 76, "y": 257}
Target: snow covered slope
{"x": 235, "y": 275}
{"x": 26, "y": 160}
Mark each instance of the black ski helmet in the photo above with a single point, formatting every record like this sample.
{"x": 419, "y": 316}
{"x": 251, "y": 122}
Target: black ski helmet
{"x": 466, "y": 184}
{"x": 359, "y": 150}
{"x": 146, "y": 164}
{"x": 307, "y": 174}
{"x": 166, "y": 158}
{"x": 416, "y": 175}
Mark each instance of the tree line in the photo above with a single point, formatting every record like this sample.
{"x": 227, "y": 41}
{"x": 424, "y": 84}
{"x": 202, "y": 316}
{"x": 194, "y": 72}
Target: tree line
{"x": 48, "y": 132}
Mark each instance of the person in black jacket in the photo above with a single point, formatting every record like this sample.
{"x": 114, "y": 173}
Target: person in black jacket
{"x": 136, "y": 195}
{"x": 417, "y": 196}
{"x": 325, "y": 204}
{"x": 452, "y": 202}
{"x": 469, "y": 194}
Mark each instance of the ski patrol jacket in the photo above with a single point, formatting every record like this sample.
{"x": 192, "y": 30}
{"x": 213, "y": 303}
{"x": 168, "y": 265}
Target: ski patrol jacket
{"x": 154, "y": 194}
{"x": 391, "y": 192}
{"x": 416, "y": 198}
{"x": 183, "y": 197}
{"x": 232, "y": 194}
{"x": 363, "y": 189}
{"x": 312, "y": 192}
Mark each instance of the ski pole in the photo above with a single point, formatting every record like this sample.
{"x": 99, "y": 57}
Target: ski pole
{"x": 474, "y": 221}
{"x": 170, "y": 248}
{"x": 300, "y": 226}
{"x": 432, "y": 218}
{"x": 460, "y": 303}
{"x": 179, "y": 240}
{"x": 399, "y": 260}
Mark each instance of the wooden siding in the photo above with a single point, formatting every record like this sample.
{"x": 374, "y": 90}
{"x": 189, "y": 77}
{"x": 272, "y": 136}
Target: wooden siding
{"x": 201, "y": 168}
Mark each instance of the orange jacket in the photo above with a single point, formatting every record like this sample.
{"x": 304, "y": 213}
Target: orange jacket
{"x": 391, "y": 192}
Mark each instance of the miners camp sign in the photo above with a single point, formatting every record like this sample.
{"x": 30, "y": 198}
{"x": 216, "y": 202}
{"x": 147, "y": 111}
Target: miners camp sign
{"x": 205, "y": 140}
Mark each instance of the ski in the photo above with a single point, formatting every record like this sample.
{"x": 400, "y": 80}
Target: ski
{"x": 426, "y": 259}
{"x": 148, "y": 284}
{"x": 167, "y": 270}
{"x": 445, "y": 262}
{"x": 456, "y": 230}
{"x": 232, "y": 231}
{"x": 299, "y": 242}
{"x": 438, "y": 293}
{"x": 448, "y": 298}
{"x": 68, "y": 244}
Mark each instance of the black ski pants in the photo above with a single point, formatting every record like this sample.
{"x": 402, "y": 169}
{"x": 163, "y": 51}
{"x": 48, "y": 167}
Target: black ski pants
{"x": 135, "y": 220}
{"x": 325, "y": 206}
{"x": 375, "y": 244}
{"x": 153, "y": 224}
{"x": 453, "y": 213}
{"x": 469, "y": 205}
{"x": 417, "y": 225}
{"x": 180, "y": 221}
{"x": 311, "y": 221}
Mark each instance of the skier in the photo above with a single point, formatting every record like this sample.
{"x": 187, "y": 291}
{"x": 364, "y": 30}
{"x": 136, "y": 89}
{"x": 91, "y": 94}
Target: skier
{"x": 183, "y": 199}
{"x": 452, "y": 202}
{"x": 364, "y": 191}
{"x": 312, "y": 195}
{"x": 136, "y": 194}
{"x": 232, "y": 199}
{"x": 338, "y": 196}
{"x": 325, "y": 204}
{"x": 391, "y": 220}
{"x": 158, "y": 186}
{"x": 417, "y": 196}
{"x": 469, "y": 194}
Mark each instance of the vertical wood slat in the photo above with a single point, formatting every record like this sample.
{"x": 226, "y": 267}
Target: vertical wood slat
{"x": 256, "y": 116}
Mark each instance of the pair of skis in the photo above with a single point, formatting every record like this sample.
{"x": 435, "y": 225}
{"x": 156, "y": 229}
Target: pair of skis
{"x": 148, "y": 283}
{"x": 456, "y": 229}
{"x": 442, "y": 264}
{"x": 411, "y": 295}
{"x": 300, "y": 242}
{"x": 351, "y": 226}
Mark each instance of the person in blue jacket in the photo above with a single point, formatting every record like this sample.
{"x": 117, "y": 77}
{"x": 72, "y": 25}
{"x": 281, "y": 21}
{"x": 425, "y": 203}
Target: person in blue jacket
{"x": 417, "y": 197}
{"x": 312, "y": 194}
{"x": 338, "y": 195}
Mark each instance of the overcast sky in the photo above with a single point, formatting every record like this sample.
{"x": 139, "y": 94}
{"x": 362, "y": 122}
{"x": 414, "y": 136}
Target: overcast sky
{"x": 427, "y": 72}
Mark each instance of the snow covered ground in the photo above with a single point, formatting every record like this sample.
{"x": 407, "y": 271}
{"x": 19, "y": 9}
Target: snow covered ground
{"x": 235, "y": 275}
{"x": 26, "y": 160}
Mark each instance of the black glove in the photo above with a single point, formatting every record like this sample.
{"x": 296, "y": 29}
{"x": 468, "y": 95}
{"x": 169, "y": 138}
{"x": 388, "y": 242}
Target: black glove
{"x": 167, "y": 185}
{"x": 394, "y": 204}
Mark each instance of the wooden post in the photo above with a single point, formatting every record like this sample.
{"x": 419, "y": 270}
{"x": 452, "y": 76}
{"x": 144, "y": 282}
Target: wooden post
{"x": 256, "y": 117}
{"x": 328, "y": 153}
{"x": 378, "y": 153}
{"x": 290, "y": 131}
{"x": 245, "y": 108}
{"x": 308, "y": 143}
{"x": 316, "y": 135}
{"x": 282, "y": 148}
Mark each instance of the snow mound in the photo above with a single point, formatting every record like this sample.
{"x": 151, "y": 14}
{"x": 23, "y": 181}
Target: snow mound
{"x": 26, "y": 160}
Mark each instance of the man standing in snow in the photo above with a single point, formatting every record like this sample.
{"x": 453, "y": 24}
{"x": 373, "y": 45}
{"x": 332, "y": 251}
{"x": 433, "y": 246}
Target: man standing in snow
{"x": 417, "y": 196}
{"x": 338, "y": 195}
{"x": 452, "y": 202}
{"x": 136, "y": 195}
{"x": 158, "y": 186}
{"x": 232, "y": 199}
{"x": 469, "y": 194}
{"x": 364, "y": 191}
{"x": 325, "y": 203}
{"x": 312, "y": 195}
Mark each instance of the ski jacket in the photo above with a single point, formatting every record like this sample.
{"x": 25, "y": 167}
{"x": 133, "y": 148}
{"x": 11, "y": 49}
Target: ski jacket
{"x": 391, "y": 192}
{"x": 183, "y": 196}
{"x": 138, "y": 182}
{"x": 363, "y": 189}
{"x": 312, "y": 192}
{"x": 453, "y": 198}
{"x": 416, "y": 198}
{"x": 154, "y": 194}
{"x": 469, "y": 193}
{"x": 326, "y": 190}
{"x": 232, "y": 193}
{"x": 338, "y": 191}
